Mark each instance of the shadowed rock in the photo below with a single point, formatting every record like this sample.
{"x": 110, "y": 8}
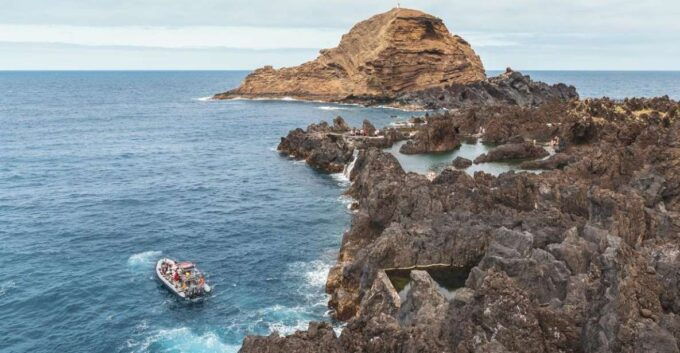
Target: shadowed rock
{"x": 512, "y": 151}
{"x": 320, "y": 146}
{"x": 461, "y": 163}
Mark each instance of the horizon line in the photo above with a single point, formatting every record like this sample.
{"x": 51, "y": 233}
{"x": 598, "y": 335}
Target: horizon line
{"x": 248, "y": 70}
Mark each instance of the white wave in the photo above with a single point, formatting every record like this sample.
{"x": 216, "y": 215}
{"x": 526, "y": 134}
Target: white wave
{"x": 204, "y": 99}
{"x": 284, "y": 99}
{"x": 144, "y": 258}
{"x": 348, "y": 169}
{"x": 6, "y": 287}
{"x": 341, "y": 179}
{"x": 403, "y": 109}
{"x": 314, "y": 273}
{"x": 183, "y": 340}
{"x": 318, "y": 273}
{"x": 346, "y": 200}
{"x": 288, "y": 329}
{"x": 325, "y": 107}
{"x": 291, "y": 99}
{"x": 283, "y": 319}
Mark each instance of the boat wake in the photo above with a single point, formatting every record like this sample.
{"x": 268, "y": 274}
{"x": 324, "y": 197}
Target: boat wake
{"x": 144, "y": 259}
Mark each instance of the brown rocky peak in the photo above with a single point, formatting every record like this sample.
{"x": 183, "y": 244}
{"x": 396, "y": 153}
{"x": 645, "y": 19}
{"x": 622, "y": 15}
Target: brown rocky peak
{"x": 392, "y": 53}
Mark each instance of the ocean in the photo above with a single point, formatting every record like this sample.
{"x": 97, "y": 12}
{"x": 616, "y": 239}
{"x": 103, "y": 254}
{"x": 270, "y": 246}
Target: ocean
{"x": 102, "y": 173}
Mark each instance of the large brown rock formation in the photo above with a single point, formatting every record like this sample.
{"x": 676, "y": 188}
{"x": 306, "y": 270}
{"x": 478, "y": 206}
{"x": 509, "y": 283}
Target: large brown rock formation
{"x": 383, "y": 57}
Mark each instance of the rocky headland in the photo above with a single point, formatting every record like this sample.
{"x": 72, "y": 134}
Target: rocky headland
{"x": 582, "y": 257}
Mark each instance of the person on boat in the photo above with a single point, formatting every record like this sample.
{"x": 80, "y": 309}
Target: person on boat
{"x": 175, "y": 276}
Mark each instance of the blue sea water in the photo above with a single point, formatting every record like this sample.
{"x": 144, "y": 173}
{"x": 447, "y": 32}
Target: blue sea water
{"x": 102, "y": 173}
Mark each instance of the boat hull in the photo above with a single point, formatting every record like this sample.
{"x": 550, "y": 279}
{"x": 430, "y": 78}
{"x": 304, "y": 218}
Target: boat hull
{"x": 165, "y": 282}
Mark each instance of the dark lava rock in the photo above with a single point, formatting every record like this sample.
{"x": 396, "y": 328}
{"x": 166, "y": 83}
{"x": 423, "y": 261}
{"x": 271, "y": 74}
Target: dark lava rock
{"x": 440, "y": 134}
{"x": 319, "y": 337}
{"x": 320, "y": 145}
{"x": 556, "y": 161}
{"x": 582, "y": 258}
{"x": 339, "y": 125}
{"x": 461, "y": 163}
{"x": 512, "y": 151}
{"x": 369, "y": 129}
{"x": 509, "y": 88}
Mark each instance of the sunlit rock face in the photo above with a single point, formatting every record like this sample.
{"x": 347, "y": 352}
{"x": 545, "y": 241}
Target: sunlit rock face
{"x": 383, "y": 57}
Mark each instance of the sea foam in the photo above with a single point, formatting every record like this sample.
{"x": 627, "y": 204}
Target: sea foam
{"x": 184, "y": 340}
{"x": 332, "y": 108}
{"x": 6, "y": 287}
{"x": 144, "y": 258}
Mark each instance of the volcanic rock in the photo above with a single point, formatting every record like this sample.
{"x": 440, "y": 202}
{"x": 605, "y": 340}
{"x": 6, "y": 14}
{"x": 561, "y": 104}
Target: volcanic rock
{"x": 512, "y": 151}
{"x": 461, "y": 163}
{"x": 509, "y": 88}
{"x": 319, "y": 337}
{"x": 387, "y": 55}
{"x": 321, "y": 146}
{"x": 556, "y": 161}
{"x": 578, "y": 259}
{"x": 368, "y": 128}
{"x": 440, "y": 134}
{"x": 339, "y": 125}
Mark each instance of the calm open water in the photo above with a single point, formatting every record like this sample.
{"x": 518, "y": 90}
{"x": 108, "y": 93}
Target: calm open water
{"x": 101, "y": 173}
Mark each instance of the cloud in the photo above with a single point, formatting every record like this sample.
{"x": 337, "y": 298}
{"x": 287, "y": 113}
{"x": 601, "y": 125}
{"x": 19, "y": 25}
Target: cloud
{"x": 579, "y": 34}
{"x": 173, "y": 37}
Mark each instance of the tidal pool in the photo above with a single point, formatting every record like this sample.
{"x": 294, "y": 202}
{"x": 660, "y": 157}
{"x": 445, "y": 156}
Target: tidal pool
{"x": 436, "y": 162}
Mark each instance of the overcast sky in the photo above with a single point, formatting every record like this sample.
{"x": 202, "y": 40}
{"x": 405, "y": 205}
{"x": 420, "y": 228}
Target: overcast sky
{"x": 245, "y": 34}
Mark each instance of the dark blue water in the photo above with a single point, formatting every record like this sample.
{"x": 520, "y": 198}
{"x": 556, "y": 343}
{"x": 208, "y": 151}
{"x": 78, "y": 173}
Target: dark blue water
{"x": 101, "y": 173}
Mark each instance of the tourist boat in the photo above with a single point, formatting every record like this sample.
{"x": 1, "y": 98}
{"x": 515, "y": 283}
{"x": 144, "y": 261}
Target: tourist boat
{"x": 189, "y": 283}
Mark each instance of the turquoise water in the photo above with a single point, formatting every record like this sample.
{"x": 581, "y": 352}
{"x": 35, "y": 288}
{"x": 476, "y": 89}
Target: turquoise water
{"x": 435, "y": 162}
{"x": 101, "y": 173}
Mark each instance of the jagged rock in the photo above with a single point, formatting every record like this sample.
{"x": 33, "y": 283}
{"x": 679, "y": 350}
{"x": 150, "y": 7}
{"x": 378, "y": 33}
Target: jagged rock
{"x": 320, "y": 145}
{"x": 398, "y": 51}
{"x": 582, "y": 258}
{"x": 461, "y": 163}
{"x": 512, "y": 151}
{"x": 339, "y": 125}
{"x": 556, "y": 161}
{"x": 381, "y": 298}
{"x": 438, "y": 135}
{"x": 319, "y": 337}
{"x": 424, "y": 304}
{"x": 368, "y": 128}
{"x": 509, "y": 88}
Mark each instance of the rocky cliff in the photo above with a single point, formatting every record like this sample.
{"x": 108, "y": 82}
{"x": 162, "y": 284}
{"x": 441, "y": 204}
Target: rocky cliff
{"x": 581, "y": 258}
{"x": 385, "y": 56}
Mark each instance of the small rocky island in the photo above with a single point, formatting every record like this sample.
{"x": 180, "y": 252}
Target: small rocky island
{"x": 581, "y": 257}
{"x": 403, "y": 58}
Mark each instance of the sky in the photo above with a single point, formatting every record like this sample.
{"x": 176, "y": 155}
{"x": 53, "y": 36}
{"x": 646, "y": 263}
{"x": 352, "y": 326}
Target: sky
{"x": 246, "y": 34}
